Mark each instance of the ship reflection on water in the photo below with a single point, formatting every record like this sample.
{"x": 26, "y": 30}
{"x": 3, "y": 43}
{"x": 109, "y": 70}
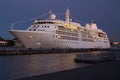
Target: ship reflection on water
{"x": 19, "y": 66}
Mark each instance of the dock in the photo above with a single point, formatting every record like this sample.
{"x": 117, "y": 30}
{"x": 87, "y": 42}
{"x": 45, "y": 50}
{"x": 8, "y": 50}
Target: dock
{"x": 30, "y": 51}
{"x": 99, "y": 71}
{"x": 95, "y": 57}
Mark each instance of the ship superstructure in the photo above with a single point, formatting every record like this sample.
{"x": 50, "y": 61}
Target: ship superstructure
{"x": 53, "y": 33}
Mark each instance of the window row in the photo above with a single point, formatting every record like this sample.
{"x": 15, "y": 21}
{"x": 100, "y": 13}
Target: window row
{"x": 66, "y": 33}
{"x": 68, "y": 38}
{"x": 88, "y": 40}
{"x": 85, "y": 32}
{"x": 87, "y": 36}
{"x": 66, "y": 42}
{"x": 45, "y": 26}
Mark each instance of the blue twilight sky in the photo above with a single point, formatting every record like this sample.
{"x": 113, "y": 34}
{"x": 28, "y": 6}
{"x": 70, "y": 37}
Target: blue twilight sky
{"x": 106, "y": 13}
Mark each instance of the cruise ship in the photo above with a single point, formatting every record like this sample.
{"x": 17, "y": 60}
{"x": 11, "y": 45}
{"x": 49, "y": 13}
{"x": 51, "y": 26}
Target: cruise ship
{"x": 52, "y": 33}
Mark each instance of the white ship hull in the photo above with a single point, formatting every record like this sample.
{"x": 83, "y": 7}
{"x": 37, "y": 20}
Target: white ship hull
{"x": 45, "y": 40}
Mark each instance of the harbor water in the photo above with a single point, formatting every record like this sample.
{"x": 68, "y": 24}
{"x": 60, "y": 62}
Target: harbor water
{"x": 19, "y": 66}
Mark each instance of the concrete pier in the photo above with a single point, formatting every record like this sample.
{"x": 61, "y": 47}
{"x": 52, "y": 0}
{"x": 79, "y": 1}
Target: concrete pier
{"x": 27, "y": 51}
{"x": 99, "y": 71}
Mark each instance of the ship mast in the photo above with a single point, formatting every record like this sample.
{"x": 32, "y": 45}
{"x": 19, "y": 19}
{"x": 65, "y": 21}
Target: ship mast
{"x": 67, "y": 15}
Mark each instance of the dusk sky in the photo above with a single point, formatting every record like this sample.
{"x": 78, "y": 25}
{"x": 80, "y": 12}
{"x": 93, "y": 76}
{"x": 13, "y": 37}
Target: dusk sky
{"x": 106, "y": 13}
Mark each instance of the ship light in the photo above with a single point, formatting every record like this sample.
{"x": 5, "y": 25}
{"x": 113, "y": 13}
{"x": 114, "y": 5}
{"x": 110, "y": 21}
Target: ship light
{"x": 70, "y": 26}
{"x": 38, "y": 43}
{"x": 98, "y": 37}
{"x": 93, "y": 36}
{"x": 72, "y": 30}
{"x": 30, "y": 37}
{"x": 58, "y": 36}
{"x": 57, "y": 23}
{"x": 94, "y": 40}
{"x": 66, "y": 25}
{"x": 73, "y": 27}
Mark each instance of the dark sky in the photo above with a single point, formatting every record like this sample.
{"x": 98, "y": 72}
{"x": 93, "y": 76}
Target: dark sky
{"x": 106, "y": 13}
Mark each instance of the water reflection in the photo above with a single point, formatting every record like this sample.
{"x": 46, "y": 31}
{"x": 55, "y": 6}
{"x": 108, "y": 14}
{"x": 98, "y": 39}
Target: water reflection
{"x": 19, "y": 66}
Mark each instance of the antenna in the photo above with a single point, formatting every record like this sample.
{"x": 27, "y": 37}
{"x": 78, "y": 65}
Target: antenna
{"x": 12, "y": 26}
{"x": 50, "y": 11}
